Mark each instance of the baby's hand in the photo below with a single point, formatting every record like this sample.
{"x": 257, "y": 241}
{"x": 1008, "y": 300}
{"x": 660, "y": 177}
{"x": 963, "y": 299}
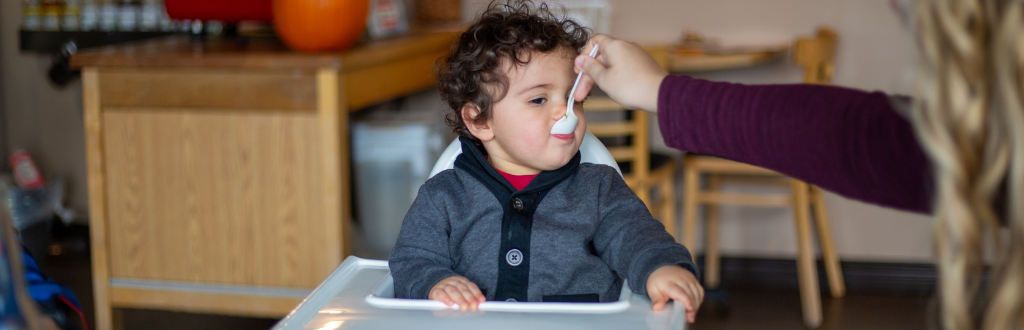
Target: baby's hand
{"x": 457, "y": 290}
{"x": 676, "y": 283}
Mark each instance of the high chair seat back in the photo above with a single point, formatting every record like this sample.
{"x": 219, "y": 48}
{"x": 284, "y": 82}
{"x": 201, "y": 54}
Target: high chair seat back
{"x": 591, "y": 150}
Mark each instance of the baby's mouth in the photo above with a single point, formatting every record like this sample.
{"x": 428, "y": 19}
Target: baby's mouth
{"x": 565, "y": 137}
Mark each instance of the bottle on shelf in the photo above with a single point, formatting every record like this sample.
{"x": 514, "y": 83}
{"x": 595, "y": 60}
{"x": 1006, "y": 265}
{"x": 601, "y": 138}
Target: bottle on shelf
{"x": 166, "y": 23}
{"x": 128, "y": 19}
{"x": 70, "y": 20}
{"x": 89, "y": 19}
{"x": 52, "y": 12}
{"x": 149, "y": 19}
{"x": 109, "y": 14}
{"x": 31, "y": 15}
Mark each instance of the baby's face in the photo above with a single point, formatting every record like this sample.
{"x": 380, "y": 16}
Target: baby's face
{"x": 521, "y": 121}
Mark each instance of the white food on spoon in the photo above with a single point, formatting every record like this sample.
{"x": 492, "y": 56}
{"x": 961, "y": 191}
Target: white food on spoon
{"x": 567, "y": 124}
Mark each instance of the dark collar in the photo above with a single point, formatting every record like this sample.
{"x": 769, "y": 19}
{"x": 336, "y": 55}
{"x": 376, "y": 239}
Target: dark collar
{"x": 472, "y": 160}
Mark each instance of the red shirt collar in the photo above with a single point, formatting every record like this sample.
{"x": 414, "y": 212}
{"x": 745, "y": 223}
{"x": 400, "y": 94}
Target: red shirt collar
{"x": 518, "y": 181}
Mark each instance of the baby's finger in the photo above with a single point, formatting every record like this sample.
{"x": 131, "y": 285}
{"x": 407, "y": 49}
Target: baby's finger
{"x": 695, "y": 293}
{"x": 680, "y": 296}
{"x": 467, "y": 295}
{"x": 688, "y": 301}
{"x": 465, "y": 285}
{"x": 479, "y": 295}
{"x": 442, "y": 296}
{"x": 456, "y": 296}
{"x": 658, "y": 300}
{"x": 698, "y": 294}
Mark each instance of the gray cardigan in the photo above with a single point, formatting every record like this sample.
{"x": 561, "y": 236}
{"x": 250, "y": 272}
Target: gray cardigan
{"x": 572, "y": 234}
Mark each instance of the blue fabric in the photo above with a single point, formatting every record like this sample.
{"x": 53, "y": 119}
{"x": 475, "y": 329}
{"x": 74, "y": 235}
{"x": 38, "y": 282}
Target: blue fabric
{"x": 40, "y": 287}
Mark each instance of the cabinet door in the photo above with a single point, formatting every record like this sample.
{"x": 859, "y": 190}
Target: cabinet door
{"x": 231, "y": 197}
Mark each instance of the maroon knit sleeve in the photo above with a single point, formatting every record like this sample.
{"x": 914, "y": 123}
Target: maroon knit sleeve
{"x": 851, "y": 142}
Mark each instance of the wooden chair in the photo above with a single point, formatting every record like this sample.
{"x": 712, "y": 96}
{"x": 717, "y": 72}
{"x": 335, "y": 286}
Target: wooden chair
{"x": 651, "y": 176}
{"x": 815, "y": 55}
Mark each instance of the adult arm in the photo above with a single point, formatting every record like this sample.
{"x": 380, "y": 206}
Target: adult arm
{"x": 851, "y": 142}
{"x": 848, "y": 141}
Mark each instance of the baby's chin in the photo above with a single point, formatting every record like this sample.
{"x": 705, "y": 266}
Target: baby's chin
{"x": 556, "y": 162}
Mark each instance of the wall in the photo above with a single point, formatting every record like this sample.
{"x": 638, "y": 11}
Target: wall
{"x": 3, "y": 129}
{"x": 876, "y": 52}
{"x": 44, "y": 119}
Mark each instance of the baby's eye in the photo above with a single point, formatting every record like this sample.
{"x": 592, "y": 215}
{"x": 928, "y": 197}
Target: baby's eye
{"x": 539, "y": 101}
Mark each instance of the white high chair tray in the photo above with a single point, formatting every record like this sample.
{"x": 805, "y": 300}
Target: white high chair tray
{"x": 383, "y": 296}
{"x": 339, "y": 302}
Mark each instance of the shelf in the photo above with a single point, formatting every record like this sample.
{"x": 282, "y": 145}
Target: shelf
{"x": 51, "y": 41}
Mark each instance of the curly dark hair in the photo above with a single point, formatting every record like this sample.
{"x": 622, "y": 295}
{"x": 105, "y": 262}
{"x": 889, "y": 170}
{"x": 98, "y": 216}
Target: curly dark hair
{"x": 512, "y": 30}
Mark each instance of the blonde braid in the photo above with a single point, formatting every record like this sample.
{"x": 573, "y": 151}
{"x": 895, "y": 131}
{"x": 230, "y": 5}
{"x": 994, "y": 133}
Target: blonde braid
{"x": 972, "y": 126}
{"x": 1006, "y": 307}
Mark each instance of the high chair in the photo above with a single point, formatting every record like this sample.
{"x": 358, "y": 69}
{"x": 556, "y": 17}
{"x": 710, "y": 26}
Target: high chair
{"x": 651, "y": 176}
{"x": 815, "y": 55}
{"x": 356, "y": 295}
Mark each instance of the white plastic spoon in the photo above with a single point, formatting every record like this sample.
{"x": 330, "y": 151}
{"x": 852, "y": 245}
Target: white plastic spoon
{"x": 567, "y": 124}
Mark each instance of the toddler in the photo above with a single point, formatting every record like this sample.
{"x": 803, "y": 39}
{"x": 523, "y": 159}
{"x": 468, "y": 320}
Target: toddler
{"x": 519, "y": 218}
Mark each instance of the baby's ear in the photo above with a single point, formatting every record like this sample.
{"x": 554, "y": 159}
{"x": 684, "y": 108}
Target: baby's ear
{"x": 480, "y": 130}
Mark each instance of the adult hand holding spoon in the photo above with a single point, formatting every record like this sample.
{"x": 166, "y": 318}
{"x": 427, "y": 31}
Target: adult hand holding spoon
{"x": 567, "y": 124}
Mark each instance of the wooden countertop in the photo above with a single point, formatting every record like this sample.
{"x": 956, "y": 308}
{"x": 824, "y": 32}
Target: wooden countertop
{"x": 258, "y": 53}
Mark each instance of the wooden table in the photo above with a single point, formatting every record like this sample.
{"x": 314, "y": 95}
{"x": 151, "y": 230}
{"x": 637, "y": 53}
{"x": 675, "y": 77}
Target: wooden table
{"x": 219, "y": 171}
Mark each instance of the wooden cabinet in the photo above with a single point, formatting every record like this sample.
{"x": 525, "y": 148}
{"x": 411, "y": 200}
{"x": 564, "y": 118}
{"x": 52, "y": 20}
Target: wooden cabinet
{"x": 218, "y": 171}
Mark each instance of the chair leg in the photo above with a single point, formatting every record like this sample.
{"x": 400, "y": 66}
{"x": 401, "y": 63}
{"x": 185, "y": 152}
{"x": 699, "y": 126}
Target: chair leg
{"x": 828, "y": 250}
{"x": 691, "y": 185}
{"x": 668, "y": 207}
{"x": 643, "y": 190}
{"x": 806, "y": 270}
{"x": 711, "y": 257}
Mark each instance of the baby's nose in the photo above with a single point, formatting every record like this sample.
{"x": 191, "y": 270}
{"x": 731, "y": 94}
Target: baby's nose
{"x": 559, "y": 108}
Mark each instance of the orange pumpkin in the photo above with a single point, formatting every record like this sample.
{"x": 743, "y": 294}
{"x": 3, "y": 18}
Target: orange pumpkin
{"x": 320, "y": 25}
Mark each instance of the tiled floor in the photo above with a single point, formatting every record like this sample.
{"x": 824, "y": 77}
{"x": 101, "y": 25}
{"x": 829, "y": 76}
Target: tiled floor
{"x": 747, "y": 308}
